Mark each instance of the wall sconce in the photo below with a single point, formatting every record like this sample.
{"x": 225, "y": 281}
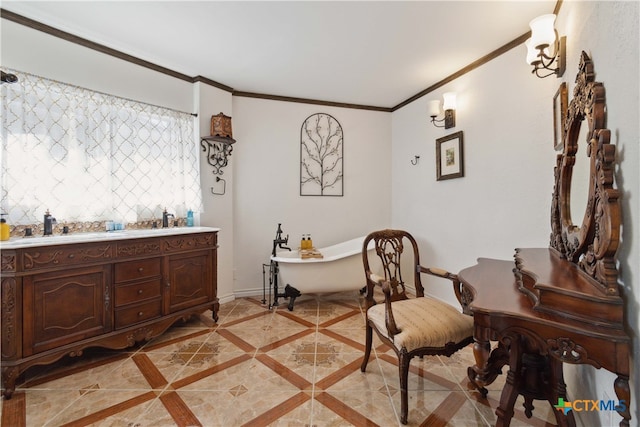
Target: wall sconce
{"x": 449, "y": 107}
{"x": 543, "y": 37}
{"x": 218, "y": 144}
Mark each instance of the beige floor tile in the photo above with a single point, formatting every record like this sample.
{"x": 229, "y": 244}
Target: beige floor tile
{"x": 262, "y": 405}
{"x": 264, "y": 368}
{"x": 43, "y": 406}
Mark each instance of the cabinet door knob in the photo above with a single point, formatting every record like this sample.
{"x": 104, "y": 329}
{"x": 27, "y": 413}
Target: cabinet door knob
{"x": 72, "y": 255}
{"x": 168, "y": 284}
{"x": 139, "y": 291}
{"x": 140, "y": 270}
{"x": 139, "y": 314}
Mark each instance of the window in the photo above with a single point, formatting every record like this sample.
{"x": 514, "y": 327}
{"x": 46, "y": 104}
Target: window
{"x": 88, "y": 156}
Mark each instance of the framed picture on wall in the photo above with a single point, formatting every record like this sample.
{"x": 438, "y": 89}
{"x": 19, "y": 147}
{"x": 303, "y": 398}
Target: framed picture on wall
{"x": 560, "y": 105}
{"x": 449, "y": 157}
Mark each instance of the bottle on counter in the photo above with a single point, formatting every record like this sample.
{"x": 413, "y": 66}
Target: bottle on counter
{"x": 189, "y": 218}
{"x": 309, "y": 242}
{"x": 5, "y": 230}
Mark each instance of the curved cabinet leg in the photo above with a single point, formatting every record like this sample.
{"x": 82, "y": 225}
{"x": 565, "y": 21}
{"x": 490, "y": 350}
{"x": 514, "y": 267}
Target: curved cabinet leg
{"x": 9, "y": 377}
{"x": 621, "y": 386}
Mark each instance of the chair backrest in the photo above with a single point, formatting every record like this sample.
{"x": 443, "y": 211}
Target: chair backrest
{"x": 389, "y": 247}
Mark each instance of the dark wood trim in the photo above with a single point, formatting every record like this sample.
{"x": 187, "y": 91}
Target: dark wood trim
{"x": 112, "y": 52}
{"x": 212, "y": 83}
{"x": 310, "y": 101}
{"x": 19, "y": 19}
{"x": 503, "y": 49}
{"x": 475, "y": 64}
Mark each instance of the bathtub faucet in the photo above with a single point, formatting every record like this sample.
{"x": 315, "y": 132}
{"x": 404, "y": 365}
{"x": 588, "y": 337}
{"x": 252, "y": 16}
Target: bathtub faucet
{"x": 279, "y": 242}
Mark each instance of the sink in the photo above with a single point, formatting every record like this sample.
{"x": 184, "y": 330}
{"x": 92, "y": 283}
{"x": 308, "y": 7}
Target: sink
{"x": 62, "y": 239}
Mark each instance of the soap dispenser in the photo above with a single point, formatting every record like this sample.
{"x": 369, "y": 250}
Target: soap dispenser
{"x": 5, "y": 230}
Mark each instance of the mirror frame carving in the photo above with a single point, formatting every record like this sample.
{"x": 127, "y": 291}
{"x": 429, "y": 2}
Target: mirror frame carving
{"x": 593, "y": 244}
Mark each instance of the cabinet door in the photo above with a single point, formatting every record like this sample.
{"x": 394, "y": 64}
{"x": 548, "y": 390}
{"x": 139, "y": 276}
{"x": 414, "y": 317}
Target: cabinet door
{"x": 190, "y": 280}
{"x": 65, "y": 306}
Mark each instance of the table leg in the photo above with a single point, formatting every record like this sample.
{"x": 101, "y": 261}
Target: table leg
{"x": 558, "y": 392}
{"x": 510, "y": 391}
{"x": 621, "y": 386}
{"x": 489, "y": 363}
{"x": 478, "y": 373}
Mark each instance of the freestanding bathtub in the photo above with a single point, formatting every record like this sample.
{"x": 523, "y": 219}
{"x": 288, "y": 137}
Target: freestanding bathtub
{"x": 340, "y": 269}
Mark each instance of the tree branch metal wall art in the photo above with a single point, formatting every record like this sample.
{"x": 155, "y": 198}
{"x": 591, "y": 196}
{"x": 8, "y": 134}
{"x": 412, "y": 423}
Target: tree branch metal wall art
{"x": 321, "y": 156}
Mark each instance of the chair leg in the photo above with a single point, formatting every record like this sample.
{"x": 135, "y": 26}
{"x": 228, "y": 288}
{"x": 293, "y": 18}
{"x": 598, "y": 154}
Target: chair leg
{"x": 367, "y": 350}
{"x": 403, "y": 367}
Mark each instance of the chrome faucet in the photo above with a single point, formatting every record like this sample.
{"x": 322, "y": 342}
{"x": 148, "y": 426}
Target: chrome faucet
{"x": 49, "y": 220}
{"x": 165, "y": 218}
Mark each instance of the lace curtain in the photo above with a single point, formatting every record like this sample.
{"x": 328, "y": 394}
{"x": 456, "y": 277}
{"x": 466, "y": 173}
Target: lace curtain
{"x": 88, "y": 156}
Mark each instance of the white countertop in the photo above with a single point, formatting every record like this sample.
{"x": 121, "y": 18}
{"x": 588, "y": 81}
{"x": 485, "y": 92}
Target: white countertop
{"x": 65, "y": 239}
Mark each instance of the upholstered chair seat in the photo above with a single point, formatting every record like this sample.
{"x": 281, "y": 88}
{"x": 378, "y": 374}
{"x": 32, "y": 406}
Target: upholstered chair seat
{"x": 423, "y": 322}
{"x": 415, "y": 326}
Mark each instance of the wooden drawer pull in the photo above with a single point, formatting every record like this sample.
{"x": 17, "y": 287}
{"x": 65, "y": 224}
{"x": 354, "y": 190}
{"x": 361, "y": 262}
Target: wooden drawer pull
{"x": 72, "y": 255}
{"x": 140, "y": 291}
{"x": 140, "y": 314}
{"x": 140, "y": 270}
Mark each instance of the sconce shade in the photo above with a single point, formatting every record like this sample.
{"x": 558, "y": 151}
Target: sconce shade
{"x": 532, "y": 54}
{"x": 544, "y": 40}
{"x": 543, "y": 32}
{"x": 434, "y": 108}
{"x": 221, "y": 126}
{"x": 449, "y": 101}
{"x": 449, "y": 107}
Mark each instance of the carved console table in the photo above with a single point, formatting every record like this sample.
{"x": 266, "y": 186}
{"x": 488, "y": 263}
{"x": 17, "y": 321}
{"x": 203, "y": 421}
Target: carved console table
{"x": 58, "y": 299}
{"x": 536, "y": 338}
{"x": 561, "y": 304}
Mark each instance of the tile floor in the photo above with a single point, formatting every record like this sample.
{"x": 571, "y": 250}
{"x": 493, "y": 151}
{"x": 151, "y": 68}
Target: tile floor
{"x": 256, "y": 367}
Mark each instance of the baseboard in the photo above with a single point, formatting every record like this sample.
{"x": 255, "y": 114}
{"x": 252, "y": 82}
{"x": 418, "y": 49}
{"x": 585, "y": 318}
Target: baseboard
{"x": 244, "y": 293}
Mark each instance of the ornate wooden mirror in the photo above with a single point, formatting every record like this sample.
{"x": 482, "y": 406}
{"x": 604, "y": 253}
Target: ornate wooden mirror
{"x": 592, "y": 243}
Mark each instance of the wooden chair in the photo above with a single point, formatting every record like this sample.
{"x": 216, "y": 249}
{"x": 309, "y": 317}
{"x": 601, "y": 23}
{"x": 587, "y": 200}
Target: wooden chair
{"x": 411, "y": 326}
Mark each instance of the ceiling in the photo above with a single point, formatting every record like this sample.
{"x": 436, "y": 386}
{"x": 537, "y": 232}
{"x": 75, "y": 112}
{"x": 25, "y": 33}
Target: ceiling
{"x": 373, "y": 53}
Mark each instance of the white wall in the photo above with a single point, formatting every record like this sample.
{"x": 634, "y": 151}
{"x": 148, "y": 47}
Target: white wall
{"x": 218, "y": 209}
{"x": 609, "y": 33}
{"x": 35, "y": 52}
{"x": 504, "y": 199}
{"x": 267, "y": 182}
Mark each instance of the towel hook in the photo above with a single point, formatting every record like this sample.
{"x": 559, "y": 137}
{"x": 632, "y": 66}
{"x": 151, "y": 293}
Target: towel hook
{"x": 415, "y": 161}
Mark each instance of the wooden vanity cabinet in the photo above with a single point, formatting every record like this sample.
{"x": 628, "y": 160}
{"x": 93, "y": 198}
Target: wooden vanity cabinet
{"x": 58, "y": 300}
{"x": 185, "y": 284}
{"x": 137, "y": 291}
{"x": 61, "y": 307}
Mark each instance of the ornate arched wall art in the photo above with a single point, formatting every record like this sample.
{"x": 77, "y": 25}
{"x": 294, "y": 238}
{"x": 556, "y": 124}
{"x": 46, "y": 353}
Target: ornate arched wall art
{"x": 321, "y": 156}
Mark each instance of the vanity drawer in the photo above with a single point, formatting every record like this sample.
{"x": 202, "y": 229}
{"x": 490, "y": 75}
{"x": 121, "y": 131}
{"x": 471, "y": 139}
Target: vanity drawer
{"x": 135, "y": 270}
{"x": 65, "y": 255}
{"x": 137, "y": 292}
{"x": 138, "y": 313}
{"x": 183, "y": 243}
